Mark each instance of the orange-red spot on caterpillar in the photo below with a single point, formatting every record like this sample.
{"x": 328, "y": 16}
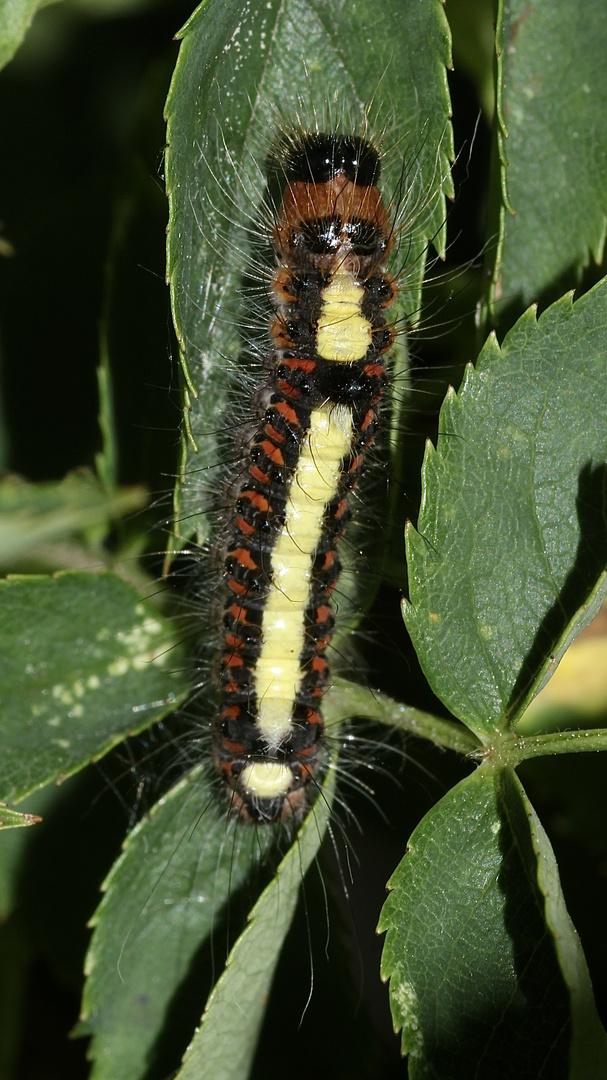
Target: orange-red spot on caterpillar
{"x": 232, "y": 747}
{"x": 374, "y": 370}
{"x": 281, "y": 285}
{"x": 319, "y": 664}
{"x": 313, "y": 717}
{"x": 245, "y": 526}
{"x": 329, "y": 559}
{"x": 235, "y": 586}
{"x": 280, "y": 332}
{"x": 299, "y": 365}
{"x": 257, "y": 474}
{"x": 231, "y": 660}
{"x": 289, "y": 414}
{"x": 258, "y": 501}
{"x": 244, "y": 558}
{"x": 288, "y": 390}
{"x": 272, "y": 433}
{"x": 274, "y": 454}
{"x": 238, "y": 612}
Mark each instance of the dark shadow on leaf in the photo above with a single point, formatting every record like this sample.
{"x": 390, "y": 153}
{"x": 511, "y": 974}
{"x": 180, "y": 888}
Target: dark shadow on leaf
{"x": 572, "y": 277}
{"x": 537, "y": 1014}
{"x": 589, "y": 563}
{"x": 207, "y": 962}
{"x": 514, "y": 1023}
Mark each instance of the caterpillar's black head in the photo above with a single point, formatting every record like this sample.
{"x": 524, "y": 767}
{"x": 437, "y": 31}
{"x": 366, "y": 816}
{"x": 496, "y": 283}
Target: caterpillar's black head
{"x": 318, "y": 157}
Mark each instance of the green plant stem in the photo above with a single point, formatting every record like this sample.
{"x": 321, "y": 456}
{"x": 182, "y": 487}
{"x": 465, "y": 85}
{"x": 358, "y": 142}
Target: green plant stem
{"x": 346, "y": 699}
{"x": 522, "y": 748}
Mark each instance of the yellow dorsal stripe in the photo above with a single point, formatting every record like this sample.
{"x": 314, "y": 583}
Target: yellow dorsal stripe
{"x": 314, "y": 484}
{"x": 342, "y": 333}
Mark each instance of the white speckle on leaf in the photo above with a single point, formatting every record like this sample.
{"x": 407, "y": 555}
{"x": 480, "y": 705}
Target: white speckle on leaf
{"x": 62, "y": 694}
{"x": 405, "y": 1000}
{"x": 139, "y": 638}
{"x": 69, "y": 695}
{"x": 140, "y": 645}
{"x": 118, "y": 667}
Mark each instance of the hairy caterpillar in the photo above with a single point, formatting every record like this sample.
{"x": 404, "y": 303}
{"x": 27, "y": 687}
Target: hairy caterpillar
{"x": 301, "y": 226}
{"x": 317, "y": 414}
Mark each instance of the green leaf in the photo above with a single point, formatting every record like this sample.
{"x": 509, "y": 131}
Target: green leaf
{"x": 472, "y": 27}
{"x": 35, "y": 514}
{"x": 554, "y": 159}
{"x": 84, "y": 662}
{"x": 15, "y": 20}
{"x": 12, "y": 819}
{"x": 589, "y": 1042}
{"x": 163, "y": 900}
{"x": 508, "y": 562}
{"x": 483, "y": 961}
{"x": 236, "y": 1007}
{"x": 15, "y": 844}
{"x": 242, "y": 74}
